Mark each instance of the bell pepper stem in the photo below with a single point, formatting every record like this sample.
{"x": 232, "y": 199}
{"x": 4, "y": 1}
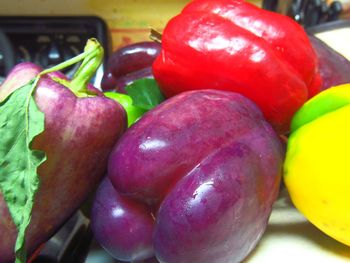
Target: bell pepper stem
{"x": 92, "y": 58}
{"x": 155, "y": 36}
{"x": 88, "y": 67}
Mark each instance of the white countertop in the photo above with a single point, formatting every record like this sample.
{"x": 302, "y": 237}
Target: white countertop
{"x": 338, "y": 39}
{"x": 290, "y": 238}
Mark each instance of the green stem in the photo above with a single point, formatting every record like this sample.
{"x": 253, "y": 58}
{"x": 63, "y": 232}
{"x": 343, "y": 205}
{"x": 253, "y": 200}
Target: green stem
{"x": 88, "y": 67}
{"x": 92, "y": 58}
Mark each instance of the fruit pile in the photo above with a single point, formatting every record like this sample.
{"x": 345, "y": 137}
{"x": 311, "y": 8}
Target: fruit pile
{"x": 184, "y": 140}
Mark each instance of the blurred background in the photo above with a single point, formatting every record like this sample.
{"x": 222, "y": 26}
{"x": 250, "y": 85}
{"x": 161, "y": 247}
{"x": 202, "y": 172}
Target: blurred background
{"x": 128, "y": 24}
{"x": 128, "y": 20}
{"x": 66, "y": 24}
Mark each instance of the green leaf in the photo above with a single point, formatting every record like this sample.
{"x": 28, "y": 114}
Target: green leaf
{"x": 145, "y": 93}
{"x": 133, "y": 113}
{"x": 20, "y": 122}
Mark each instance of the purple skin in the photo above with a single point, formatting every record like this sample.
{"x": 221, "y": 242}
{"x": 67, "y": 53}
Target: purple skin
{"x": 214, "y": 165}
{"x": 129, "y": 59}
{"x": 175, "y": 136}
{"x": 108, "y": 82}
{"x": 119, "y": 84}
{"x": 333, "y": 67}
{"x": 219, "y": 211}
{"x": 127, "y": 79}
{"x": 79, "y": 135}
{"x": 133, "y": 57}
{"x": 121, "y": 225}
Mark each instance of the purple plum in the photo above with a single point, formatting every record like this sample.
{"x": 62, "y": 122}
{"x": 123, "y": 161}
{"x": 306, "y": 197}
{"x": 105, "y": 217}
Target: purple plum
{"x": 128, "y": 64}
{"x": 129, "y": 78}
{"x": 133, "y": 57}
{"x": 119, "y": 84}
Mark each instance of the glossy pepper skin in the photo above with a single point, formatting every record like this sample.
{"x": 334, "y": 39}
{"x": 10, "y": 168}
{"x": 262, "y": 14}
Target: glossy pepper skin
{"x": 210, "y": 165}
{"x": 233, "y": 45}
{"x": 317, "y": 163}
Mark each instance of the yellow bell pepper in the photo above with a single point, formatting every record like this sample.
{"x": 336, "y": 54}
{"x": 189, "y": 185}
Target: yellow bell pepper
{"x": 317, "y": 166}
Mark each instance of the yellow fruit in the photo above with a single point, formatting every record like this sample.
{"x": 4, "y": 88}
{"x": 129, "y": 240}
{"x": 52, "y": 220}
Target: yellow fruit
{"x": 317, "y": 172}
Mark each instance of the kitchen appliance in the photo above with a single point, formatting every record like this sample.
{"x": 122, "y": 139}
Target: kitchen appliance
{"x": 307, "y": 12}
{"x": 48, "y": 41}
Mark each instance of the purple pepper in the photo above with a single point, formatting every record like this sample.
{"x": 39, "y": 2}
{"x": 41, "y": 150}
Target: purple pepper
{"x": 81, "y": 128}
{"x": 211, "y": 164}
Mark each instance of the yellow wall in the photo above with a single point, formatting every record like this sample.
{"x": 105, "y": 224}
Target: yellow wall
{"x": 129, "y": 20}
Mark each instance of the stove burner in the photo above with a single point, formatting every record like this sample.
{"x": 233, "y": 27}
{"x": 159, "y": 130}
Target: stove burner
{"x": 47, "y": 41}
{"x": 6, "y": 62}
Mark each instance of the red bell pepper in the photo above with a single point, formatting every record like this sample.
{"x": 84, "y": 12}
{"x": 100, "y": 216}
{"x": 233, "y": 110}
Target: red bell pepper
{"x": 234, "y": 45}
